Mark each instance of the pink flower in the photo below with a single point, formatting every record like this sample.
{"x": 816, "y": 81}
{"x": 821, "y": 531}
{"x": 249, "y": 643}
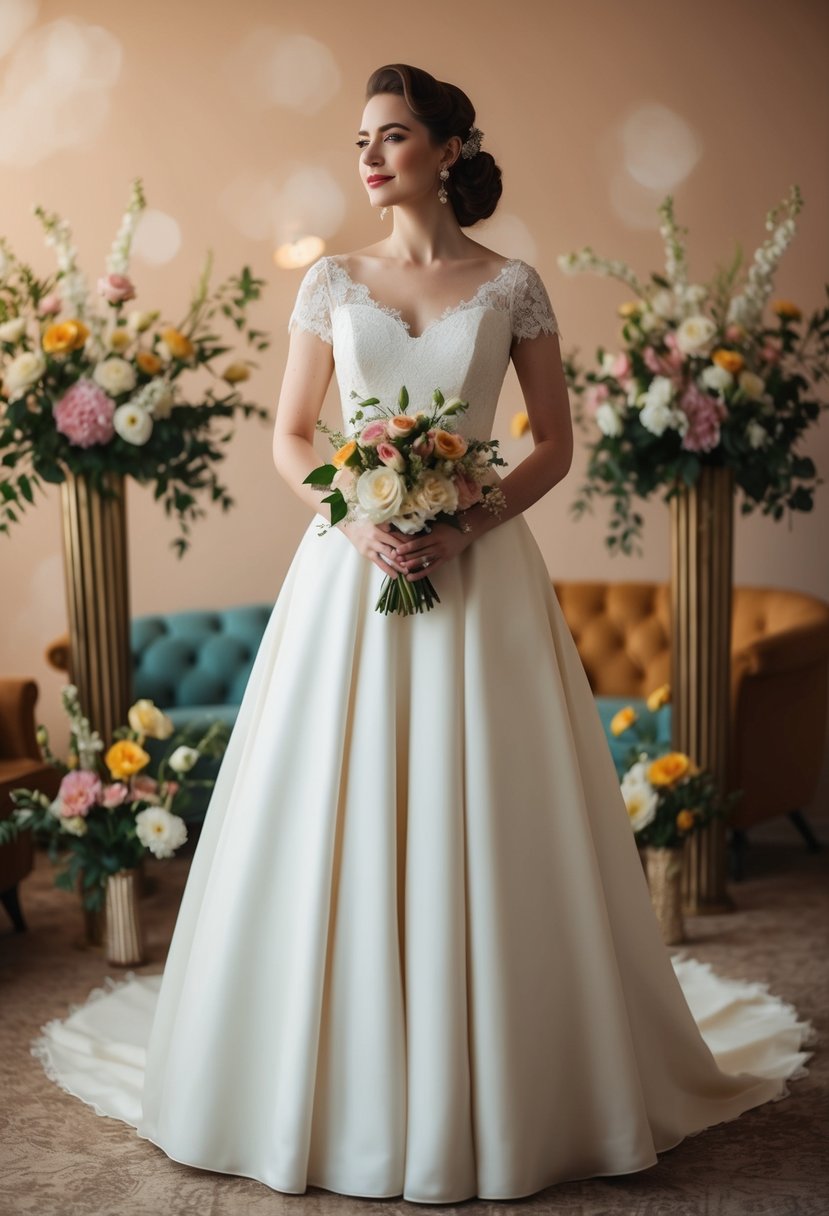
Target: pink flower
{"x": 84, "y": 414}
{"x": 50, "y": 304}
{"x": 621, "y": 367}
{"x": 115, "y": 288}
{"x": 594, "y": 396}
{"x": 114, "y": 794}
{"x": 171, "y": 788}
{"x": 734, "y": 333}
{"x": 372, "y": 433}
{"x": 469, "y": 490}
{"x": 771, "y": 350}
{"x": 144, "y": 788}
{"x": 79, "y": 791}
{"x": 704, "y": 415}
{"x": 669, "y": 364}
{"x": 424, "y": 445}
{"x": 390, "y": 456}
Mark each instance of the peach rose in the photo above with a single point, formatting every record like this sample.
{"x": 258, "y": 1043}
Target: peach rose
{"x": 342, "y": 454}
{"x": 399, "y": 425}
{"x": 64, "y": 336}
{"x": 623, "y": 719}
{"x": 449, "y": 445}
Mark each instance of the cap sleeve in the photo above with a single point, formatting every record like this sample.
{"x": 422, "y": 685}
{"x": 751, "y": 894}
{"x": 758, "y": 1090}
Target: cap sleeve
{"x": 531, "y": 312}
{"x": 312, "y": 308}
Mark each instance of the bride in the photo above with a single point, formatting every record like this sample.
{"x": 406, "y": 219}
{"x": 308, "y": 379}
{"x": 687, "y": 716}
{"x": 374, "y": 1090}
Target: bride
{"x": 416, "y": 954}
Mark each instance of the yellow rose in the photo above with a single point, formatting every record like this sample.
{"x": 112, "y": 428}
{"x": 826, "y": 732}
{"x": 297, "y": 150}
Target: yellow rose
{"x": 125, "y": 758}
{"x": 449, "y": 445}
{"x": 119, "y": 339}
{"x": 731, "y": 360}
{"x": 786, "y": 308}
{"x": 149, "y": 362}
{"x": 659, "y": 697}
{"x": 235, "y": 372}
{"x": 519, "y": 424}
{"x": 180, "y": 346}
{"x": 623, "y": 719}
{"x": 669, "y": 769}
{"x": 685, "y": 820}
{"x": 64, "y": 336}
{"x": 630, "y": 308}
{"x": 146, "y": 718}
{"x": 342, "y": 454}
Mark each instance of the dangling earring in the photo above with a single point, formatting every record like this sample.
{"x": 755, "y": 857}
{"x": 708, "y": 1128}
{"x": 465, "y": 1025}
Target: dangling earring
{"x": 383, "y": 211}
{"x": 442, "y": 195}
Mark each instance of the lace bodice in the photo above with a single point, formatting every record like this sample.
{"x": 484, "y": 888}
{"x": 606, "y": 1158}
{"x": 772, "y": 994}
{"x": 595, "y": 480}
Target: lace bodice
{"x": 464, "y": 352}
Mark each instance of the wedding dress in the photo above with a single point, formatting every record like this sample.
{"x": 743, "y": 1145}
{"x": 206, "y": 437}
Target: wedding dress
{"x": 415, "y": 953}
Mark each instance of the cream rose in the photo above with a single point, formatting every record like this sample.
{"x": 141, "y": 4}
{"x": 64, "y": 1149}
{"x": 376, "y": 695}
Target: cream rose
{"x": 146, "y": 718}
{"x": 380, "y": 492}
{"x": 752, "y": 385}
{"x": 12, "y": 331}
{"x": 115, "y": 376}
{"x": 716, "y": 378}
{"x": 23, "y": 372}
{"x": 133, "y": 423}
{"x": 434, "y": 494}
{"x": 608, "y": 420}
{"x": 138, "y": 320}
{"x": 695, "y": 335}
{"x": 183, "y": 759}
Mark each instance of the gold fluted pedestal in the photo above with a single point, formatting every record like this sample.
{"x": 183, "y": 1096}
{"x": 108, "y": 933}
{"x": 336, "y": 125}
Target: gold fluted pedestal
{"x": 702, "y": 532}
{"x": 95, "y": 566}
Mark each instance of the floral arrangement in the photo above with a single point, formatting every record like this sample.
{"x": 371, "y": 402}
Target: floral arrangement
{"x": 108, "y": 812}
{"x": 668, "y": 797}
{"x": 408, "y": 470}
{"x": 99, "y": 391}
{"x": 701, "y": 379}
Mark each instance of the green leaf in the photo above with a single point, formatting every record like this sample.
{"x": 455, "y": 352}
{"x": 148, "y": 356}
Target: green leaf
{"x": 322, "y": 476}
{"x": 339, "y": 508}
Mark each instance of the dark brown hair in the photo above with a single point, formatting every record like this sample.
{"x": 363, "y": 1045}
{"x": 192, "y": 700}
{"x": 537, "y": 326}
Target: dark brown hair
{"x": 474, "y": 183}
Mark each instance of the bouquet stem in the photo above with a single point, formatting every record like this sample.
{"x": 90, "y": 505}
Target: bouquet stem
{"x": 401, "y": 596}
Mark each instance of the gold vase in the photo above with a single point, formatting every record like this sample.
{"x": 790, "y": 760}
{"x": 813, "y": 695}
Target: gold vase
{"x": 124, "y": 939}
{"x": 702, "y": 532}
{"x": 95, "y": 566}
{"x": 664, "y": 867}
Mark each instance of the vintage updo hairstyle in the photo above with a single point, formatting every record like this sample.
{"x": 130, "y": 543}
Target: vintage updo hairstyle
{"x": 474, "y": 183}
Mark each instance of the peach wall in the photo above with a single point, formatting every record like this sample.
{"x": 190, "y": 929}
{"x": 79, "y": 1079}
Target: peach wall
{"x": 177, "y": 94}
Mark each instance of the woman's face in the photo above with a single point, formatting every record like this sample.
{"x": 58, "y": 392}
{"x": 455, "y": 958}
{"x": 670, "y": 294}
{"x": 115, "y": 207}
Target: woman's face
{"x": 396, "y": 147}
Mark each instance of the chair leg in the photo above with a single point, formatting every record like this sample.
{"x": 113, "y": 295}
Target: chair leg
{"x": 11, "y": 903}
{"x": 803, "y": 826}
{"x": 738, "y": 846}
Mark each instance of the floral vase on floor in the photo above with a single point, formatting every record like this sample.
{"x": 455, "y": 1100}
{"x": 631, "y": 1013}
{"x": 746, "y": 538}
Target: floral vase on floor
{"x": 124, "y": 937}
{"x": 664, "y": 868}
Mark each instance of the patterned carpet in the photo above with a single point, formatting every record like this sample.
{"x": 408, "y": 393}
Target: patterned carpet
{"x": 57, "y": 1158}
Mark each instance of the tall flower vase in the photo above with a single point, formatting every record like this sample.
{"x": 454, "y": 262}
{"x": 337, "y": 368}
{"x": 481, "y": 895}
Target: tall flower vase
{"x": 702, "y": 532}
{"x": 124, "y": 938}
{"x": 95, "y": 565}
{"x": 663, "y": 867}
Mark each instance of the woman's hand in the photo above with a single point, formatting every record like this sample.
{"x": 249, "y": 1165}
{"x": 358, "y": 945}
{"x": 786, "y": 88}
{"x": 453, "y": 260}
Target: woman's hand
{"x": 378, "y": 542}
{"x": 432, "y": 548}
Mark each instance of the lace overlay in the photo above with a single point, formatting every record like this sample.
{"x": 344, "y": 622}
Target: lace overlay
{"x": 517, "y": 289}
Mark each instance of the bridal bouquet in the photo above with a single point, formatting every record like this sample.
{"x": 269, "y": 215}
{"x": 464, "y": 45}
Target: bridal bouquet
{"x": 409, "y": 470}
{"x": 701, "y": 377}
{"x": 108, "y": 813}
{"x": 94, "y": 392}
{"x": 667, "y": 796}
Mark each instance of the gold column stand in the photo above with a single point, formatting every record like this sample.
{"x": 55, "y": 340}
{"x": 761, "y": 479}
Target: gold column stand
{"x": 95, "y": 563}
{"x": 702, "y": 530}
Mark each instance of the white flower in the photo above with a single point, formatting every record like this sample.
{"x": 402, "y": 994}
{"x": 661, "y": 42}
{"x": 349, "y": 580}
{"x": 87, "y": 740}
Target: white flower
{"x": 183, "y": 759}
{"x": 160, "y": 831}
{"x": 649, "y": 321}
{"x": 380, "y": 493}
{"x": 641, "y": 801}
{"x": 757, "y": 435}
{"x": 115, "y": 376}
{"x": 656, "y": 417}
{"x": 663, "y": 303}
{"x": 660, "y": 391}
{"x": 434, "y": 493}
{"x": 450, "y": 406}
{"x": 163, "y": 403}
{"x": 752, "y": 385}
{"x": 410, "y": 519}
{"x": 695, "y": 294}
{"x": 133, "y": 424}
{"x": 76, "y": 825}
{"x": 695, "y": 335}
{"x": 22, "y": 372}
{"x": 716, "y": 378}
{"x": 608, "y": 420}
{"x": 12, "y": 331}
{"x": 139, "y": 320}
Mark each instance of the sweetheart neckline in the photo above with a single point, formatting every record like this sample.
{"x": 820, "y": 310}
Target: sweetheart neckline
{"x": 396, "y": 314}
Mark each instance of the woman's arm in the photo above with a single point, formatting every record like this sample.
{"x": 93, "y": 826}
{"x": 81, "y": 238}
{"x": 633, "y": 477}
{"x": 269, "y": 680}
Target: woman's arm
{"x": 308, "y": 371}
{"x": 541, "y": 376}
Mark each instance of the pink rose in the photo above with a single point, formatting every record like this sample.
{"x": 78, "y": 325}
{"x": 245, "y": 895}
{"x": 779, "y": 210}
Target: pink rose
{"x": 144, "y": 788}
{"x": 664, "y": 365}
{"x": 594, "y": 396}
{"x": 734, "y": 333}
{"x": 115, "y": 288}
{"x": 79, "y": 791}
{"x": 621, "y": 367}
{"x": 84, "y": 414}
{"x": 50, "y": 304}
{"x": 372, "y": 433}
{"x": 115, "y": 794}
{"x": 469, "y": 490}
{"x": 390, "y": 456}
{"x": 704, "y": 415}
{"x": 424, "y": 445}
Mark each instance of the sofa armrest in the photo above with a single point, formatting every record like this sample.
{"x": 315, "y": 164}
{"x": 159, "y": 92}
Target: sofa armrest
{"x": 800, "y": 646}
{"x": 18, "y": 698}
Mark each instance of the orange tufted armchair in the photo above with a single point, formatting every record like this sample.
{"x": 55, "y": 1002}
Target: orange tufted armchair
{"x": 20, "y": 765}
{"x": 779, "y": 682}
